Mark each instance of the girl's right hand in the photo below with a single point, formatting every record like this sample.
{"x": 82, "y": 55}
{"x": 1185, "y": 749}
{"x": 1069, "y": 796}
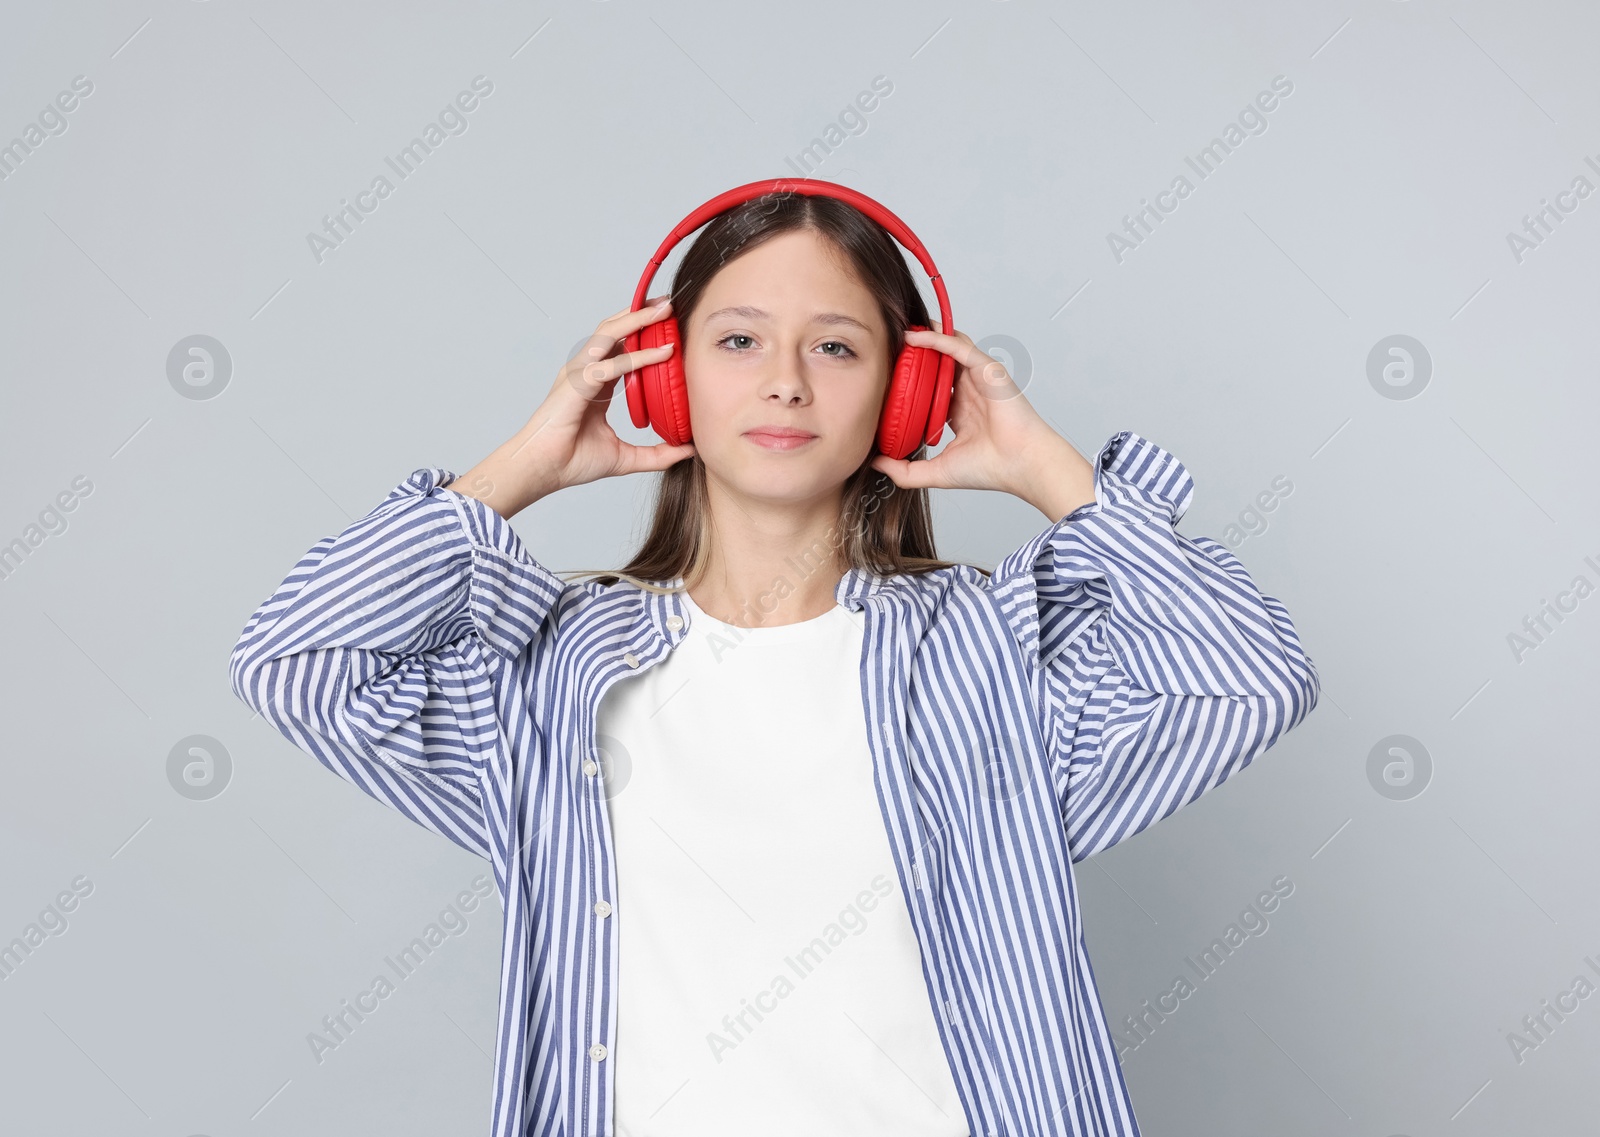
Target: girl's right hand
{"x": 568, "y": 441}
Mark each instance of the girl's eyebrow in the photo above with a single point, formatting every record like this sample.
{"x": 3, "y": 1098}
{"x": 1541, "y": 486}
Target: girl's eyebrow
{"x": 747, "y": 312}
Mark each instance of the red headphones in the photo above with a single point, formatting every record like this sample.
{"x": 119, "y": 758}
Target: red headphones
{"x": 919, "y": 389}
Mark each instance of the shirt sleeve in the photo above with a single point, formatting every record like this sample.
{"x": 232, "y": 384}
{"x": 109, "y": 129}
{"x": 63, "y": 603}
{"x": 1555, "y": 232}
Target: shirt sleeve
{"x": 1164, "y": 669}
{"x": 379, "y": 653}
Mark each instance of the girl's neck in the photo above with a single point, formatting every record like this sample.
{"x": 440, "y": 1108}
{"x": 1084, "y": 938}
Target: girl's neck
{"x": 770, "y": 582}
{"x": 770, "y": 563}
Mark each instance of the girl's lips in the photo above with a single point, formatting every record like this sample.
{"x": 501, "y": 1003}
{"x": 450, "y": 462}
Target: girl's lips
{"x": 779, "y": 441}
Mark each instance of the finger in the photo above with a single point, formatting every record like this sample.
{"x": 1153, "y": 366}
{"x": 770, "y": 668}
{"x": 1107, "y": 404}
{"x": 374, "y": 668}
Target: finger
{"x": 608, "y": 370}
{"x": 904, "y": 473}
{"x": 597, "y": 347}
{"x": 628, "y": 307}
{"x": 645, "y": 459}
{"x": 613, "y": 330}
{"x": 590, "y": 379}
{"x": 993, "y": 380}
{"x": 633, "y": 360}
{"x": 628, "y": 320}
{"x": 961, "y": 348}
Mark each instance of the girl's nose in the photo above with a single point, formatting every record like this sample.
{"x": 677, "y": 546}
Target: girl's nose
{"x": 787, "y": 378}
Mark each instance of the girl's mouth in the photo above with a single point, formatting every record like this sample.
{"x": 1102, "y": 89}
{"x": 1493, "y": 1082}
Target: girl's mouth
{"x": 779, "y": 437}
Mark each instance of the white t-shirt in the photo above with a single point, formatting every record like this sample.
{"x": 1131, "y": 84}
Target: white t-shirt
{"x": 770, "y": 980}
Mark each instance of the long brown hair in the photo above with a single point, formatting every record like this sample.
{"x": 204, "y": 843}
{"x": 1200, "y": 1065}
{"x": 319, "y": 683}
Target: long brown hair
{"x": 882, "y": 528}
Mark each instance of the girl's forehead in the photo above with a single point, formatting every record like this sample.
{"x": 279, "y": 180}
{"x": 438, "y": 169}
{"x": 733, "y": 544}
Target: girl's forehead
{"x": 758, "y": 289}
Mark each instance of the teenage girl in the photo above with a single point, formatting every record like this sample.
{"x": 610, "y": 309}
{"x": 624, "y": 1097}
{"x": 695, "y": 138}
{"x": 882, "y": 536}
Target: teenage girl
{"x": 783, "y": 813}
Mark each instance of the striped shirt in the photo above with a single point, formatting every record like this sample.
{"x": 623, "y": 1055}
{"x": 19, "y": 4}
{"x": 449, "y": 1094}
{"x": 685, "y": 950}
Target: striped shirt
{"x": 1107, "y": 673}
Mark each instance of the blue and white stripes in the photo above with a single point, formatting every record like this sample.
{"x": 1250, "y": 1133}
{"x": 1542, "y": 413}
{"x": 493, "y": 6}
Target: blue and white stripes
{"x": 1166, "y": 669}
{"x": 1109, "y": 672}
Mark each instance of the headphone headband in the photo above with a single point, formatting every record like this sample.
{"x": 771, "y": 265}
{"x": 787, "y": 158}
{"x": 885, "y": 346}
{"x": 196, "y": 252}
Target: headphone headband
{"x": 741, "y": 194}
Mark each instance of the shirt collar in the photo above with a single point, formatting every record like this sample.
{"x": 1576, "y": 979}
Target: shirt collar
{"x": 666, "y": 613}
{"x": 857, "y": 586}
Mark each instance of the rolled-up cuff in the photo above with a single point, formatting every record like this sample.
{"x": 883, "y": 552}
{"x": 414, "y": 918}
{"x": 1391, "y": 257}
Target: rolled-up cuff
{"x": 510, "y": 594}
{"x": 1135, "y": 477}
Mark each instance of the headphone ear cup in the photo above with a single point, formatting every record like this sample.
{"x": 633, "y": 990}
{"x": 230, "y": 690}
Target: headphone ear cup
{"x": 903, "y": 426}
{"x": 894, "y": 426}
{"x": 633, "y": 384}
{"x": 943, "y": 390}
{"x": 672, "y": 389}
{"x": 661, "y": 388}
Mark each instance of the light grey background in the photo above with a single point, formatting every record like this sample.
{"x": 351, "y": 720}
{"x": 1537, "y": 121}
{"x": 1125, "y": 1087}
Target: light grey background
{"x": 1418, "y": 535}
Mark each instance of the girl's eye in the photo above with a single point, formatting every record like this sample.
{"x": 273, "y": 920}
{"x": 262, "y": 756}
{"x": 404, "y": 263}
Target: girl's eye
{"x": 844, "y": 353}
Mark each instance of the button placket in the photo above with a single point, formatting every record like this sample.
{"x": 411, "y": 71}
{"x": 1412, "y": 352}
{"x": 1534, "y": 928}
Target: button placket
{"x": 919, "y": 882}
{"x": 598, "y": 1051}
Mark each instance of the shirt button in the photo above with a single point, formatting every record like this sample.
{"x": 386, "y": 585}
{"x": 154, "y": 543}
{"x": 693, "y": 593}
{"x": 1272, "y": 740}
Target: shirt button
{"x": 674, "y": 623}
{"x": 602, "y": 909}
{"x": 597, "y": 1051}
{"x": 591, "y": 768}
{"x": 631, "y": 660}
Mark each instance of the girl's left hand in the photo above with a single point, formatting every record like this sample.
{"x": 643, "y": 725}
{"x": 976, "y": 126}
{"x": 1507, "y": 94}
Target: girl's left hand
{"x": 1001, "y": 442}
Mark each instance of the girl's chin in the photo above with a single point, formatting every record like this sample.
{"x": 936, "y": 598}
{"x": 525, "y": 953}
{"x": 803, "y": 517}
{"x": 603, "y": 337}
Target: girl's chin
{"x": 758, "y": 482}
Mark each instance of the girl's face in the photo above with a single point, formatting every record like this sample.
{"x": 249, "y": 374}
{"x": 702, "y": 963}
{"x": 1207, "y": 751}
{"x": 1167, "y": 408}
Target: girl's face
{"x": 785, "y": 337}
